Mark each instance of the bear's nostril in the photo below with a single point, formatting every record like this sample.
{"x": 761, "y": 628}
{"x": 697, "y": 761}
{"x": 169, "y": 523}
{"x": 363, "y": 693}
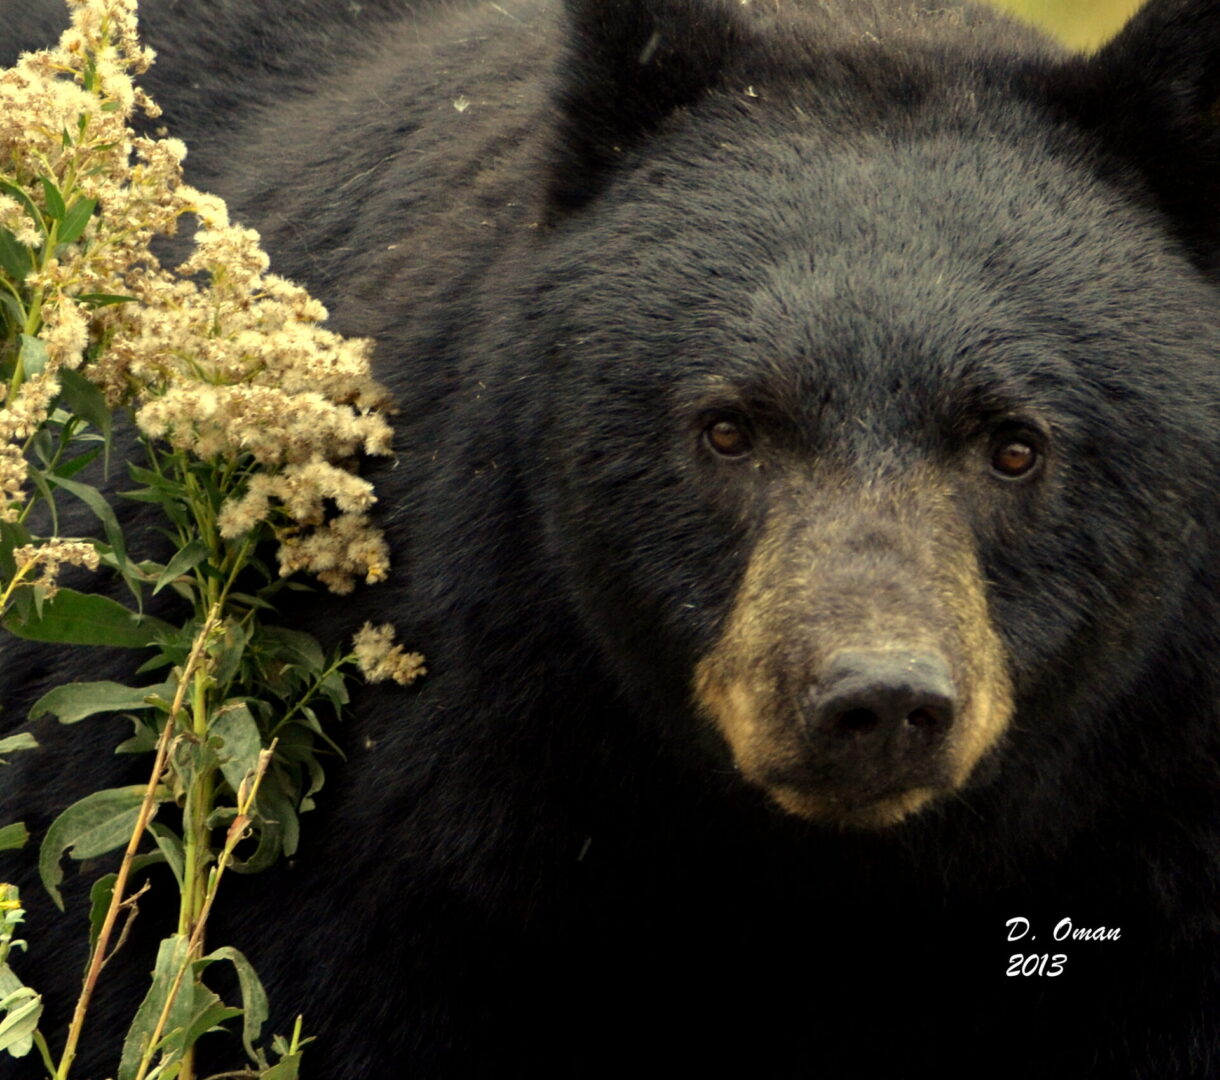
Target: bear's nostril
{"x": 857, "y": 721}
{"x": 925, "y": 718}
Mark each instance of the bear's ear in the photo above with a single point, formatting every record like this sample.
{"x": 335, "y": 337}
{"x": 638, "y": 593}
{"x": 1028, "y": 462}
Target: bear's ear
{"x": 1154, "y": 93}
{"x": 629, "y": 64}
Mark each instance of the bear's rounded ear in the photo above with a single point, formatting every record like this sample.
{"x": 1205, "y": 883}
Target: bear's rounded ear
{"x": 1153, "y": 93}
{"x": 626, "y": 66}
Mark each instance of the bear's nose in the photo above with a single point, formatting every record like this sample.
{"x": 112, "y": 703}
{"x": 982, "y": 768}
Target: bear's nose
{"x": 891, "y": 704}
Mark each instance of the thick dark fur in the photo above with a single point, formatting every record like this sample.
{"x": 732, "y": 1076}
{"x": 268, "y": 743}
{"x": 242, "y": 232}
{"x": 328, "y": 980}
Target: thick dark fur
{"x": 876, "y": 235}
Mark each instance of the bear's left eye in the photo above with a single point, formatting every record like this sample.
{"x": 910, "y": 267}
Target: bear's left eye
{"x": 1015, "y": 456}
{"x": 727, "y": 438}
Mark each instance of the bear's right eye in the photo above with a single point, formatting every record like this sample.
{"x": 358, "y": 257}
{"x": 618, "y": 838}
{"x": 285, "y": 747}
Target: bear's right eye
{"x": 728, "y": 438}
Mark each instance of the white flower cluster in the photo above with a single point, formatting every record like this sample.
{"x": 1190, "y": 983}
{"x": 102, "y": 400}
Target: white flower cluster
{"x": 219, "y": 358}
{"x": 49, "y": 557}
{"x": 379, "y": 658}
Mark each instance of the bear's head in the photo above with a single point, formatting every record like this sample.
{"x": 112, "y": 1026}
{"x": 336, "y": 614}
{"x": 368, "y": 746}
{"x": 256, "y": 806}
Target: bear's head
{"x": 885, "y": 359}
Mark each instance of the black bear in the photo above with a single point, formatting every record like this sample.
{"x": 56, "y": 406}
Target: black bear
{"x": 807, "y": 502}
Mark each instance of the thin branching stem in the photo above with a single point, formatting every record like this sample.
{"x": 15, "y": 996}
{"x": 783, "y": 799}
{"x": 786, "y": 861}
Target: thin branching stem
{"x": 147, "y": 808}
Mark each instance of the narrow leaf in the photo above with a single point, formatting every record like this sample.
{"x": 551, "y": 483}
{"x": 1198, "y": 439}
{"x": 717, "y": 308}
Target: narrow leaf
{"x": 100, "y": 299}
{"x": 85, "y": 400}
{"x": 253, "y": 996}
{"x": 17, "y": 1028}
{"x": 99, "y": 904}
{"x": 46, "y": 494}
{"x": 33, "y": 355}
{"x": 142, "y": 742}
{"x": 75, "y": 220}
{"x": 96, "y": 502}
{"x": 22, "y": 197}
{"x": 208, "y": 1019}
{"x": 186, "y": 560}
{"x": 171, "y": 956}
{"x": 16, "y": 316}
{"x": 55, "y": 201}
{"x": 75, "y": 464}
{"x": 74, "y": 701}
{"x": 15, "y": 257}
{"x": 13, "y": 836}
{"x": 23, "y": 740}
{"x": 171, "y": 847}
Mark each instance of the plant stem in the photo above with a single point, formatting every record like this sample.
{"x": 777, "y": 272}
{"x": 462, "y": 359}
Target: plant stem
{"x": 98, "y": 960}
{"x": 234, "y": 836}
{"x": 11, "y": 587}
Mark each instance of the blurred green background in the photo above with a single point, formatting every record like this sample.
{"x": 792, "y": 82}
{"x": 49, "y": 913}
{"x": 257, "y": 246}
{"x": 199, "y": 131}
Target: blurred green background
{"x": 1082, "y": 24}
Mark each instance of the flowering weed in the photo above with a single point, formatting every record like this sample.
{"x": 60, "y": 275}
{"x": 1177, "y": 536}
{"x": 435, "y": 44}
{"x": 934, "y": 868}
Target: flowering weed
{"x": 249, "y": 414}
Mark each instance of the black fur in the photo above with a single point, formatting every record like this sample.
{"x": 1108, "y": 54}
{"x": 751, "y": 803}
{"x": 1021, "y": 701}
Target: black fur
{"x": 874, "y": 231}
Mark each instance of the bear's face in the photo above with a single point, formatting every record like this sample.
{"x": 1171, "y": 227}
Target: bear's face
{"x": 880, "y": 417}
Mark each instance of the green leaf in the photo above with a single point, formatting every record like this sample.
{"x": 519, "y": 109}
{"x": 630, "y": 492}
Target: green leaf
{"x": 33, "y": 355}
{"x": 295, "y": 645}
{"x": 190, "y": 760}
{"x": 55, "y": 201}
{"x": 142, "y": 742}
{"x": 75, "y": 220}
{"x": 16, "y": 316}
{"x": 97, "y": 300}
{"x": 277, "y": 805}
{"x": 171, "y": 847}
{"x": 160, "y": 660}
{"x": 268, "y": 849}
{"x": 75, "y": 464}
{"x": 186, "y": 560}
{"x": 287, "y": 1068}
{"x": 253, "y": 996}
{"x": 154, "y": 479}
{"x": 334, "y": 689}
{"x": 169, "y": 493}
{"x": 9, "y": 983}
{"x": 13, "y": 836}
{"x": 12, "y": 536}
{"x": 208, "y": 1019}
{"x": 15, "y": 258}
{"x": 96, "y": 824}
{"x": 242, "y": 742}
{"x": 23, "y": 1007}
{"x": 251, "y": 601}
{"x": 96, "y": 502}
{"x": 85, "y": 400}
{"x": 74, "y": 701}
{"x": 39, "y": 478}
{"x": 171, "y": 956}
{"x": 22, "y": 197}
{"x": 76, "y": 618}
{"x": 23, "y": 740}
{"x": 227, "y": 653}
{"x": 99, "y": 904}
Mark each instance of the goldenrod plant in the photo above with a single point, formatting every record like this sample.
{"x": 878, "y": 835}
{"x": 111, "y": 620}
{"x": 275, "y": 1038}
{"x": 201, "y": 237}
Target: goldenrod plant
{"x": 248, "y": 416}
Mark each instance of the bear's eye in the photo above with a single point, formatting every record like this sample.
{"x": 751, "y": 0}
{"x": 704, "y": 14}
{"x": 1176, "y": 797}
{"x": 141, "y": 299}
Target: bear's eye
{"x": 727, "y": 438}
{"x": 1015, "y": 457}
